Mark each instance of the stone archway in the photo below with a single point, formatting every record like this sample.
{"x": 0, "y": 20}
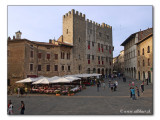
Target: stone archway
{"x": 98, "y": 70}
{"x": 94, "y": 70}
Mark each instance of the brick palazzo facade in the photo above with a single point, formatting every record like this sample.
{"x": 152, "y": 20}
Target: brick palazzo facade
{"x": 84, "y": 47}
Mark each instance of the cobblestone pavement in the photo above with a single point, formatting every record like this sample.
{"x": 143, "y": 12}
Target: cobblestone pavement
{"x": 89, "y": 102}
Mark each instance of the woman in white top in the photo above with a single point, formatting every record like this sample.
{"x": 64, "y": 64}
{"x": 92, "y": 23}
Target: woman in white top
{"x": 10, "y": 108}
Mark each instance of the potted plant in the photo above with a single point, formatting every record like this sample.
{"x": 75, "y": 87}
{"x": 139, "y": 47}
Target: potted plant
{"x": 72, "y": 93}
{"x": 58, "y": 93}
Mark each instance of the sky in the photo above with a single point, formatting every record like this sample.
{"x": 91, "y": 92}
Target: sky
{"x": 41, "y": 23}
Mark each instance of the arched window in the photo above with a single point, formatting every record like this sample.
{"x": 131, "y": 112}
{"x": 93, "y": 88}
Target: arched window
{"x": 148, "y": 62}
{"x": 94, "y": 70}
{"x": 143, "y": 51}
{"x": 148, "y": 49}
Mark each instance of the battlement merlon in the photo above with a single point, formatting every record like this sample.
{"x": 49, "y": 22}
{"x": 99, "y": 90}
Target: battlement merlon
{"x": 105, "y": 26}
{"x": 79, "y": 14}
{"x": 73, "y": 12}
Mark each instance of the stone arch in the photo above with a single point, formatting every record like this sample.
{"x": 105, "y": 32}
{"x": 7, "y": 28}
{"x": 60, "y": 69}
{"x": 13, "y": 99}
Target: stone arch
{"x": 102, "y": 71}
{"x": 94, "y": 70}
{"x": 98, "y": 70}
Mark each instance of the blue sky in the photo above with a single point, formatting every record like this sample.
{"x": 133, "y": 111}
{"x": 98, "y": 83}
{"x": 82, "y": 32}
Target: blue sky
{"x": 41, "y": 23}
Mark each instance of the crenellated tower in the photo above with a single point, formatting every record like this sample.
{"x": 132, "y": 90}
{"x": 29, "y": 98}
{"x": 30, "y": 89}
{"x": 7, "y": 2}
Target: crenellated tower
{"x": 74, "y": 32}
{"x": 86, "y": 36}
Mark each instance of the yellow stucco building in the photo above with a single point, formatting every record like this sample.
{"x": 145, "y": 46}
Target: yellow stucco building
{"x": 145, "y": 58}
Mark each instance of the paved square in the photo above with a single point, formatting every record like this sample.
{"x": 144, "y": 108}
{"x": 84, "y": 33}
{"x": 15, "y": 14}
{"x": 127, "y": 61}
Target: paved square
{"x": 89, "y": 102}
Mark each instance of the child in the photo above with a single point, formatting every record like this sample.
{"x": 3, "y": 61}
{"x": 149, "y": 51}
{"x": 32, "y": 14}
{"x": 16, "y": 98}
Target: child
{"x": 10, "y": 108}
{"x": 133, "y": 94}
{"x": 132, "y": 83}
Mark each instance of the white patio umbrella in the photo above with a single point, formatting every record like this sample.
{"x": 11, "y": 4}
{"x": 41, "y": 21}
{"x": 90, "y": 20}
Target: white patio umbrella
{"x": 51, "y": 79}
{"x": 95, "y": 74}
{"x": 43, "y": 80}
{"x": 62, "y": 80}
{"x": 82, "y": 75}
{"x": 27, "y": 80}
{"x": 72, "y": 78}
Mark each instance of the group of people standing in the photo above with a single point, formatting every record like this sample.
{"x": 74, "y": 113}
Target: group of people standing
{"x": 112, "y": 85}
{"x": 134, "y": 91}
{"x": 21, "y": 91}
{"x": 10, "y": 108}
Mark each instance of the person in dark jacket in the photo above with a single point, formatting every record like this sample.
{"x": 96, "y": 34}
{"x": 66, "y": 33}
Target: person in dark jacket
{"x": 98, "y": 83}
{"x": 130, "y": 92}
{"x": 22, "y": 108}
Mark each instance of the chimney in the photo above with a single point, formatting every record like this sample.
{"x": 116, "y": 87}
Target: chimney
{"x": 18, "y": 35}
{"x": 50, "y": 40}
{"x": 13, "y": 37}
{"x": 9, "y": 38}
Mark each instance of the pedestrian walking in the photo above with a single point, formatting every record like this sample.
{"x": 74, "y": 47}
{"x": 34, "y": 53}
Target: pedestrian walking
{"x": 103, "y": 85}
{"x": 112, "y": 86}
{"x": 18, "y": 90}
{"x": 124, "y": 79}
{"x": 132, "y": 83}
{"x": 116, "y": 82}
{"x": 26, "y": 90}
{"x": 133, "y": 94}
{"x": 98, "y": 86}
{"x": 137, "y": 89}
{"x": 10, "y": 107}
{"x": 142, "y": 88}
{"x": 22, "y": 108}
{"x": 147, "y": 80}
{"x": 21, "y": 91}
{"x": 130, "y": 92}
{"x": 112, "y": 76}
{"x": 143, "y": 82}
{"x": 119, "y": 74}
